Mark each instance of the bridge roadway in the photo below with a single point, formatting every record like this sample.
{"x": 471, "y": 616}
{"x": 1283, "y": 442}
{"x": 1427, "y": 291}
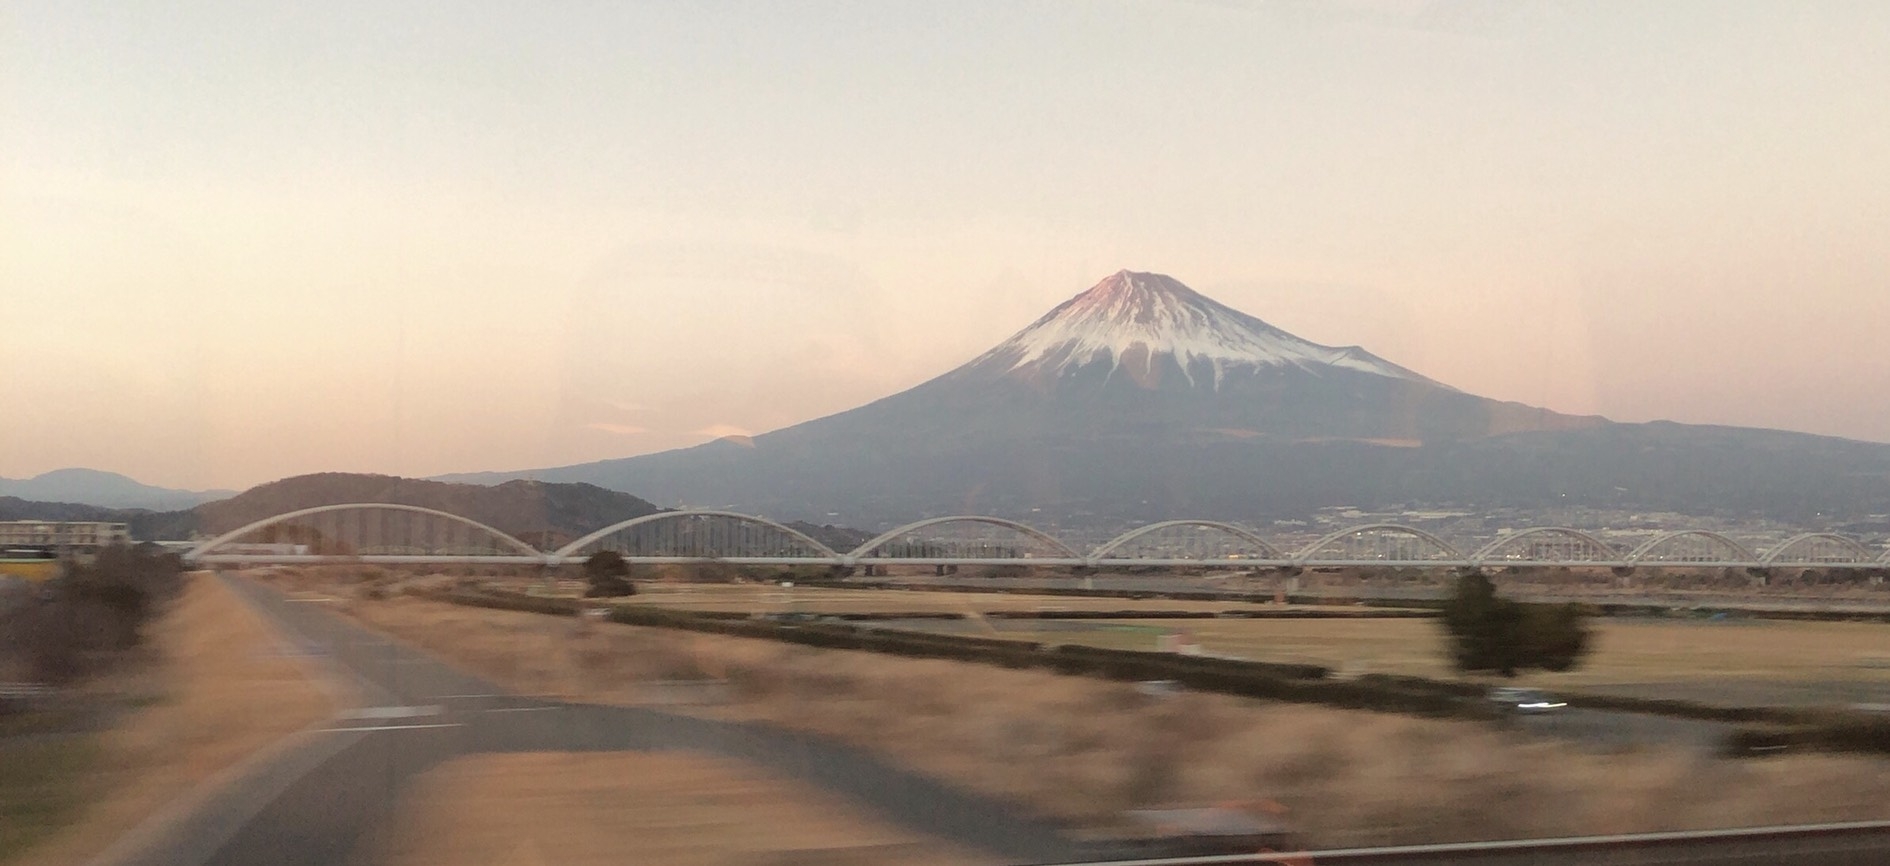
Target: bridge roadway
{"x": 239, "y": 559}
{"x": 395, "y": 534}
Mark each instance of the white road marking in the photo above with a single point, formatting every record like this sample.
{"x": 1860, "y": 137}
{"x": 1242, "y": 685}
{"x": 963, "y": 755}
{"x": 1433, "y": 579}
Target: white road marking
{"x": 393, "y": 712}
{"x": 389, "y": 728}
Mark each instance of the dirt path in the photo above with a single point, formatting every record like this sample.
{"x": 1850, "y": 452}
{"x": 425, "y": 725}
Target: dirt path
{"x": 672, "y": 809}
{"x": 224, "y": 691}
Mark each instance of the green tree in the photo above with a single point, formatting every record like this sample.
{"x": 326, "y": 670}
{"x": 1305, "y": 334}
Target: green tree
{"x": 608, "y": 575}
{"x": 1556, "y": 635}
{"x": 1490, "y": 633}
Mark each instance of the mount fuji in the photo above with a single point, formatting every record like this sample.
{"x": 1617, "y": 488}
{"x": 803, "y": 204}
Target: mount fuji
{"x": 1142, "y": 399}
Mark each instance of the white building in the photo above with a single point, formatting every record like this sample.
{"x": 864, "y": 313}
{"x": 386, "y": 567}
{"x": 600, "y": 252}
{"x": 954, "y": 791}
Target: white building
{"x": 78, "y": 536}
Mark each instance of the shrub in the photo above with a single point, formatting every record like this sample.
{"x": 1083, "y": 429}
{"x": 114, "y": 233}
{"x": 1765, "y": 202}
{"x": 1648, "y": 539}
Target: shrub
{"x": 608, "y": 575}
{"x": 1490, "y": 633}
{"x": 92, "y": 614}
{"x": 1555, "y": 636}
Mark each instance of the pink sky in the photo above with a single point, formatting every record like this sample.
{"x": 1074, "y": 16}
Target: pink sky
{"x": 381, "y": 237}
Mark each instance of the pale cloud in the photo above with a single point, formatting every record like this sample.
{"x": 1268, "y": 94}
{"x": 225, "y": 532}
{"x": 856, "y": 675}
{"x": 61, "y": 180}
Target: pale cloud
{"x": 618, "y": 429}
{"x": 725, "y": 431}
{"x": 626, "y": 407}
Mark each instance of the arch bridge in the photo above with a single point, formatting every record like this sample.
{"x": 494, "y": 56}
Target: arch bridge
{"x": 386, "y": 533}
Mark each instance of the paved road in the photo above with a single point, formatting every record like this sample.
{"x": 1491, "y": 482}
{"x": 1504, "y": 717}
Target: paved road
{"x": 317, "y": 803}
{"x": 1855, "y": 847}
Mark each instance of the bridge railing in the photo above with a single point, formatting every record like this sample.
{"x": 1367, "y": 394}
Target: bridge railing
{"x": 386, "y": 533}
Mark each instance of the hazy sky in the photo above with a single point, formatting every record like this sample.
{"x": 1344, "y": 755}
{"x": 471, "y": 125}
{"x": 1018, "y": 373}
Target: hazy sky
{"x": 238, "y": 243}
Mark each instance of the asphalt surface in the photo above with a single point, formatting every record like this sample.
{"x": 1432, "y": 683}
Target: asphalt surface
{"x": 319, "y": 802}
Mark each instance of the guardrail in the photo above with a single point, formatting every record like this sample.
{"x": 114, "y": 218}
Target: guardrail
{"x": 1567, "y": 849}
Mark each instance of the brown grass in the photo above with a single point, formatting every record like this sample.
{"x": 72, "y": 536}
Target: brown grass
{"x": 769, "y": 598}
{"x": 1084, "y": 750}
{"x": 218, "y": 696}
{"x": 1625, "y": 650}
{"x": 673, "y": 809}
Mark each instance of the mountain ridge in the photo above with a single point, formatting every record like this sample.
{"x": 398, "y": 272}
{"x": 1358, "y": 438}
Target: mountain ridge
{"x": 81, "y": 486}
{"x": 1114, "y": 407}
{"x": 544, "y": 514}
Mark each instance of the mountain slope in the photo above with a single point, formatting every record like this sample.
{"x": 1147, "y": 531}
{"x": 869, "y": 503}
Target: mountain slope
{"x": 105, "y": 490}
{"x": 1141, "y": 399}
{"x": 538, "y": 513}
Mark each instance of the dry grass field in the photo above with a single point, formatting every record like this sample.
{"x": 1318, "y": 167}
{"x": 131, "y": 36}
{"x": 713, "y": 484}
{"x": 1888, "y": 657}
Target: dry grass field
{"x": 766, "y": 598}
{"x": 1626, "y": 650}
{"x": 1084, "y": 750}
{"x": 1744, "y": 652}
{"x": 220, "y": 692}
{"x": 659, "y": 809}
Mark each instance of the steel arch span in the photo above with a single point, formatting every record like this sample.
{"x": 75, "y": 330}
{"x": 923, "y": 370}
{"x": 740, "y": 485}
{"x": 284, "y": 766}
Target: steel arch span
{"x": 1378, "y": 551}
{"x": 1732, "y": 552}
{"x": 948, "y": 551}
{"x": 1268, "y": 552}
{"x": 674, "y": 535}
{"x": 345, "y": 533}
{"x": 1586, "y": 547}
{"x": 1800, "y": 550}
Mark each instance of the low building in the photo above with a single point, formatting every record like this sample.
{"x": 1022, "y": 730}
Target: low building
{"x": 63, "y": 536}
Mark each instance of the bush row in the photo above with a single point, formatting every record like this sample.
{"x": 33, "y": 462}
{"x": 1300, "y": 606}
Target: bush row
{"x": 1855, "y": 733}
{"x": 1296, "y": 683}
{"x": 1075, "y": 591}
{"x": 1616, "y": 703}
{"x": 1688, "y": 709}
{"x": 1273, "y": 613}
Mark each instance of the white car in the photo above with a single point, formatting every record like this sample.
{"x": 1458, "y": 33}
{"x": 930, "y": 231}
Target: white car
{"x": 1519, "y": 700}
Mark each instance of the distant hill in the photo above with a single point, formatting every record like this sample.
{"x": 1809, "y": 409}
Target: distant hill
{"x": 539, "y": 513}
{"x": 15, "y": 508}
{"x": 104, "y": 490}
{"x": 543, "y": 514}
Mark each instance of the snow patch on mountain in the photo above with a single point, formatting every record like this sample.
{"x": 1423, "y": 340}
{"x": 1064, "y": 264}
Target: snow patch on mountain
{"x": 1137, "y": 318}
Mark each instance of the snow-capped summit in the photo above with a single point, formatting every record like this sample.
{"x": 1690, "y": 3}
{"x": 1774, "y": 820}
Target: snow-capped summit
{"x": 1137, "y": 399}
{"x": 1138, "y": 324}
